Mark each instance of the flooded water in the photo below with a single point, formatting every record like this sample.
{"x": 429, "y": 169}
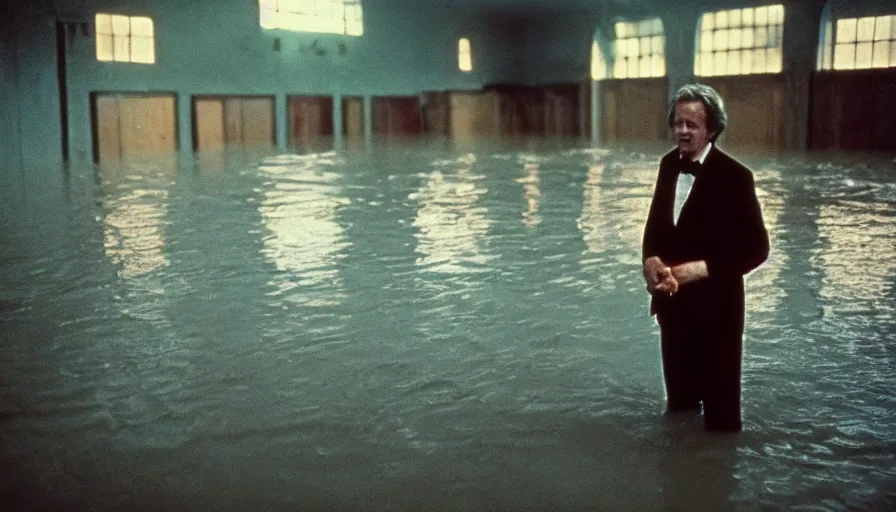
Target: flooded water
{"x": 426, "y": 328}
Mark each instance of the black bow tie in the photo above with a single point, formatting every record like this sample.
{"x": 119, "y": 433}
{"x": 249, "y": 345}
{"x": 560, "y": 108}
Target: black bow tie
{"x": 691, "y": 167}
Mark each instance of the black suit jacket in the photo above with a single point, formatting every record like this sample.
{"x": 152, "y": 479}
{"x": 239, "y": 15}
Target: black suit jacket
{"x": 721, "y": 222}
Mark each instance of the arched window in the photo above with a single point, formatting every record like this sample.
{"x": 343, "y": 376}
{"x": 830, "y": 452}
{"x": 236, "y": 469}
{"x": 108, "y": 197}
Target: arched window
{"x": 741, "y": 41}
{"x": 639, "y": 49}
{"x": 858, "y": 43}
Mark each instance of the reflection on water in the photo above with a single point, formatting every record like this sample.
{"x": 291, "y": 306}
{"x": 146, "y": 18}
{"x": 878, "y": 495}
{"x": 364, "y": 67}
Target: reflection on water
{"x": 531, "y": 194}
{"x": 858, "y": 262}
{"x": 590, "y": 221}
{"x": 450, "y": 224}
{"x": 762, "y": 287}
{"x": 301, "y": 198}
{"x": 135, "y": 203}
{"x": 437, "y": 377}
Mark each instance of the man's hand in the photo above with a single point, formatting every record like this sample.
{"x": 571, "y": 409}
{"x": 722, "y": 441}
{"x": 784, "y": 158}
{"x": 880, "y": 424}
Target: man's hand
{"x": 690, "y": 272}
{"x": 659, "y": 277}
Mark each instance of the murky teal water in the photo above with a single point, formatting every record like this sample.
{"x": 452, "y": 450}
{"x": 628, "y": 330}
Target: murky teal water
{"x": 426, "y": 328}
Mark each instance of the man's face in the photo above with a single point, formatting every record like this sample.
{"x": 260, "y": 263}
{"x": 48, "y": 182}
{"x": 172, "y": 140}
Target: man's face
{"x": 691, "y": 134}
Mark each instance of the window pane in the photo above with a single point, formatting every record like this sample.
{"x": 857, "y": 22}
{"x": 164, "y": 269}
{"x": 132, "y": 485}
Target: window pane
{"x": 892, "y": 53}
{"x": 658, "y": 65}
{"x": 619, "y": 69}
{"x": 658, "y": 26}
{"x": 881, "y": 54}
{"x": 865, "y": 29}
{"x": 846, "y": 31}
{"x": 707, "y": 23}
{"x": 758, "y": 61}
{"x": 761, "y": 40}
{"x": 720, "y": 64}
{"x": 774, "y": 61}
{"x": 633, "y": 68}
{"x": 620, "y": 30}
{"x": 776, "y": 14}
{"x": 863, "y": 55}
{"x": 734, "y": 18}
{"x": 121, "y": 48}
{"x": 658, "y": 46}
{"x": 747, "y": 38}
{"x": 121, "y": 25}
{"x": 722, "y": 19}
{"x": 103, "y": 47}
{"x": 706, "y": 64}
{"x": 844, "y": 56}
{"x": 141, "y": 27}
{"x": 747, "y": 16}
{"x": 733, "y": 63}
{"x": 774, "y": 36}
{"x": 720, "y": 41}
{"x": 706, "y": 41}
{"x": 267, "y": 18}
{"x": 293, "y": 6}
{"x": 103, "y": 24}
{"x": 644, "y": 66}
{"x": 761, "y": 16}
{"x": 645, "y": 46}
{"x": 142, "y": 50}
{"x": 882, "y": 28}
{"x": 633, "y": 48}
{"x": 734, "y": 39}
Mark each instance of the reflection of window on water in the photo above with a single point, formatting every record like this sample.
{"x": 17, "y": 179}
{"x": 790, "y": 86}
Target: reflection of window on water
{"x": 589, "y": 221}
{"x": 856, "y": 256}
{"x": 134, "y": 234}
{"x": 531, "y": 194}
{"x": 305, "y": 241}
{"x": 763, "y": 283}
{"x": 450, "y": 223}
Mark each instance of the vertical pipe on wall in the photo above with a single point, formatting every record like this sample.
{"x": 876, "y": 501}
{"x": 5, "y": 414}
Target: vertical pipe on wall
{"x": 368, "y": 120}
{"x": 595, "y": 112}
{"x": 338, "y": 139}
{"x": 281, "y": 117}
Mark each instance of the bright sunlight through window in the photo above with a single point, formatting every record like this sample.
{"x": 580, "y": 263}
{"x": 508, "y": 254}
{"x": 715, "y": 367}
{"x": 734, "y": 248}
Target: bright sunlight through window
{"x": 639, "y": 49}
{"x": 125, "y": 39}
{"x": 320, "y": 16}
{"x": 741, "y": 41}
{"x": 464, "y": 55}
{"x": 860, "y": 43}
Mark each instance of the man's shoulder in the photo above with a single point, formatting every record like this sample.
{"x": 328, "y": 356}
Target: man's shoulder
{"x": 671, "y": 155}
{"x": 729, "y": 165}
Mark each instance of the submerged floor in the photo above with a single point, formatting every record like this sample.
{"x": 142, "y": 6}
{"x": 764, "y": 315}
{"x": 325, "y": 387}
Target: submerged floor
{"x": 426, "y": 328}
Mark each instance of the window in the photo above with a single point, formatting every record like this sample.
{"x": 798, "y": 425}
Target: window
{"x": 326, "y": 16}
{"x": 598, "y": 63}
{"x": 464, "y": 55}
{"x": 859, "y": 43}
{"x": 639, "y": 49}
{"x": 741, "y": 41}
{"x": 125, "y": 39}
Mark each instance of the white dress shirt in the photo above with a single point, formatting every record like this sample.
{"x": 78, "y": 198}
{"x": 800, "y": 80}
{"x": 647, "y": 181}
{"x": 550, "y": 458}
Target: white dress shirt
{"x": 685, "y": 182}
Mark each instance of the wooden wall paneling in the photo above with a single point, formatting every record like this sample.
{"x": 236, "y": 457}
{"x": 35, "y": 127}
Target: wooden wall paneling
{"x": 208, "y": 116}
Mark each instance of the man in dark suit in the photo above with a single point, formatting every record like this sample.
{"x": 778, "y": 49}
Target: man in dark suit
{"x": 704, "y": 232}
